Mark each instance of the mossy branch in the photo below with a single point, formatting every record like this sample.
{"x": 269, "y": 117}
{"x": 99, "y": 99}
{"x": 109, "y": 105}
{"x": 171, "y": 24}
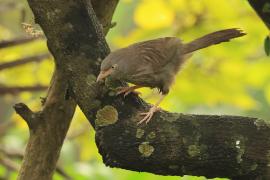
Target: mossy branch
{"x": 171, "y": 144}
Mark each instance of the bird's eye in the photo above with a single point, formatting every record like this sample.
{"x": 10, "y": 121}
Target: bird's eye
{"x": 114, "y": 66}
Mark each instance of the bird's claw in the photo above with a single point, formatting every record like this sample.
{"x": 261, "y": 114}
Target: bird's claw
{"x": 148, "y": 115}
{"x": 126, "y": 91}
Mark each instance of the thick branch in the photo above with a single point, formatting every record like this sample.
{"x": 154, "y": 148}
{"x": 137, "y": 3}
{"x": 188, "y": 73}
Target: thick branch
{"x": 47, "y": 137}
{"x": 22, "y": 61}
{"x": 171, "y": 144}
{"x": 48, "y": 129}
{"x": 18, "y": 89}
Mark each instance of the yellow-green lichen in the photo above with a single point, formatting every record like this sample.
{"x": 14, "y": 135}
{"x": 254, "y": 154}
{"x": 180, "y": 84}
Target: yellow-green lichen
{"x": 194, "y": 150}
{"x": 90, "y": 79}
{"x": 240, "y": 153}
{"x": 106, "y": 116}
{"x": 151, "y": 135}
{"x": 266, "y": 8}
{"x": 174, "y": 167}
{"x": 254, "y": 167}
{"x": 94, "y": 104}
{"x": 169, "y": 117}
{"x": 139, "y": 133}
{"x": 145, "y": 149}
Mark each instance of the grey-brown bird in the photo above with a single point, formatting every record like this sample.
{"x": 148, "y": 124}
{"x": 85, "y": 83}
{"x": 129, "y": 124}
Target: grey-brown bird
{"x": 155, "y": 63}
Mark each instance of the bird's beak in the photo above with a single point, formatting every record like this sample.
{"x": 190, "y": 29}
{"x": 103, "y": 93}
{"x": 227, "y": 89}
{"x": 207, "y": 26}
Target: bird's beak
{"x": 103, "y": 75}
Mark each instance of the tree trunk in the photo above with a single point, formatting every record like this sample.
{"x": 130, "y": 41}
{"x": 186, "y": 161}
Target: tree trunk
{"x": 48, "y": 127}
{"x": 171, "y": 144}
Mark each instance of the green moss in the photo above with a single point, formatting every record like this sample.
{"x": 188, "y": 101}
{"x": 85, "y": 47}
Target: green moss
{"x": 238, "y": 142}
{"x": 240, "y": 153}
{"x": 254, "y": 167}
{"x": 197, "y": 150}
{"x": 94, "y": 104}
{"x": 151, "y": 135}
{"x": 193, "y": 150}
{"x": 139, "y": 133}
{"x": 145, "y": 149}
{"x": 170, "y": 117}
{"x": 266, "y": 8}
{"x": 112, "y": 93}
{"x": 261, "y": 123}
{"x": 174, "y": 167}
{"x": 90, "y": 79}
{"x": 106, "y": 116}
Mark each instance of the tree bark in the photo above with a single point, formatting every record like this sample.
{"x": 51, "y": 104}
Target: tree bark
{"x": 171, "y": 144}
{"x": 48, "y": 127}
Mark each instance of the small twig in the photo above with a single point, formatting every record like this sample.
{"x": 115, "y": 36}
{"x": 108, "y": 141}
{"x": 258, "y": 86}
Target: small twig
{"x": 4, "y": 127}
{"x": 25, "y": 60}
{"x": 26, "y": 114}
{"x": 7, "y": 6}
{"x": 18, "y": 41}
{"x": 18, "y": 154}
{"x": 18, "y": 89}
{"x": 9, "y": 164}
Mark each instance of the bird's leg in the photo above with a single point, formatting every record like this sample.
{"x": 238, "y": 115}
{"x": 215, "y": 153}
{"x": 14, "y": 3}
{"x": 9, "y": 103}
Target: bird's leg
{"x": 150, "y": 113}
{"x": 128, "y": 90}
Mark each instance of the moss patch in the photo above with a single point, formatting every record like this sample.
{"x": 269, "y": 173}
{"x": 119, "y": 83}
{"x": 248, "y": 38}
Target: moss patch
{"x": 145, "y": 149}
{"x": 151, "y": 135}
{"x": 193, "y": 150}
{"x": 106, "y": 116}
{"x": 139, "y": 133}
{"x": 90, "y": 79}
{"x": 197, "y": 150}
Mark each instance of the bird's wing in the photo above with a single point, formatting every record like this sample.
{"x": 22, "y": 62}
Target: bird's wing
{"x": 157, "y": 53}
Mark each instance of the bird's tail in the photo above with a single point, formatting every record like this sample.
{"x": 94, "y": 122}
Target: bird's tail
{"x": 212, "y": 39}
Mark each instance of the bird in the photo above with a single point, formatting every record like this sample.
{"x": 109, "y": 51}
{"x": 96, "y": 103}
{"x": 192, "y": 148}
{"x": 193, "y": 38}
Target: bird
{"x": 155, "y": 63}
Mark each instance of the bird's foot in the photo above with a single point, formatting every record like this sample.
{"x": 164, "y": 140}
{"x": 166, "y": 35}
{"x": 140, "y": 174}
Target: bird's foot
{"x": 148, "y": 115}
{"x": 126, "y": 91}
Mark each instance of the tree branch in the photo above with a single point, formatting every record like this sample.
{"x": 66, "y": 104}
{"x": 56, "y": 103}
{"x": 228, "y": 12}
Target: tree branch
{"x": 48, "y": 129}
{"x": 171, "y": 144}
{"x": 18, "y": 89}
{"x": 9, "y": 164}
{"x": 22, "y": 61}
{"x": 26, "y": 114}
{"x": 18, "y": 41}
{"x": 46, "y": 138}
{"x": 19, "y": 155}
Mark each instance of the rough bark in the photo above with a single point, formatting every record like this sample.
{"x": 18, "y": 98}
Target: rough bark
{"x": 47, "y": 131}
{"x": 48, "y": 127}
{"x": 171, "y": 144}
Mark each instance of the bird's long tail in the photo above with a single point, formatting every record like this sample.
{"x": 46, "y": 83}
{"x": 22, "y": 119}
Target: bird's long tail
{"x": 212, "y": 39}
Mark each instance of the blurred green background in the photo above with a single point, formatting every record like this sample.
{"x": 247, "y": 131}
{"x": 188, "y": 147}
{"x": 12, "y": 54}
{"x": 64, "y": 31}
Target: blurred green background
{"x": 230, "y": 78}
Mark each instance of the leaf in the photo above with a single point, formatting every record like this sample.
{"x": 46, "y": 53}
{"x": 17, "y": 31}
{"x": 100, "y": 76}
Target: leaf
{"x": 267, "y": 45}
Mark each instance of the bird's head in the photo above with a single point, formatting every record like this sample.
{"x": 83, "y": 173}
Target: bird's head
{"x": 108, "y": 67}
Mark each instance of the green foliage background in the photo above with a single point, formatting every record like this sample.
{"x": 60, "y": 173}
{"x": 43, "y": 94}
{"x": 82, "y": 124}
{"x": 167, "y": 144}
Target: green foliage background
{"x": 231, "y": 78}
